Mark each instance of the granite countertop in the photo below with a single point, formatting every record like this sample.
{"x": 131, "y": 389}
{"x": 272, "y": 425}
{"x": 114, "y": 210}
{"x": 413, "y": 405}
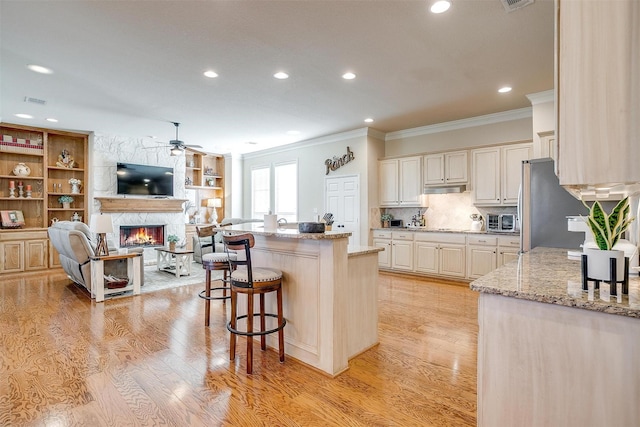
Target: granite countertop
{"x": 363, "y": 250}
{"x": 546, "y": 275}
{"x": 258, "y": 229}
{"x": 446, "y": 230}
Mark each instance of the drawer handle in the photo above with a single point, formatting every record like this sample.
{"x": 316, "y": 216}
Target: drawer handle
{"x": 482, "y": 241}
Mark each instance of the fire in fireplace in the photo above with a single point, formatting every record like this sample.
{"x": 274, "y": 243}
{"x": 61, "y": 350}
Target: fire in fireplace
{"x": 132, "y": 236}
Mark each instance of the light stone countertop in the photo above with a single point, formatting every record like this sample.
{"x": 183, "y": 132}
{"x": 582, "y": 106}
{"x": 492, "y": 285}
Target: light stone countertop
{"x": 362, "y": 250}
{"x": 446, "y": 230}
{"x": 546, "y": 275}
{"x": 258, "y": 229}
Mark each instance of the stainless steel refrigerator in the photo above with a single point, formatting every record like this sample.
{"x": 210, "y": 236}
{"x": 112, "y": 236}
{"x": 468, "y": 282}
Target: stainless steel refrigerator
{"x": 543, "y": 208}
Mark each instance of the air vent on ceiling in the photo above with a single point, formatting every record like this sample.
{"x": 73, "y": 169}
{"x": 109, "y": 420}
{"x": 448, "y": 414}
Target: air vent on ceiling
{"x": 35, "y": 100}
{"x": 511, "y": 5}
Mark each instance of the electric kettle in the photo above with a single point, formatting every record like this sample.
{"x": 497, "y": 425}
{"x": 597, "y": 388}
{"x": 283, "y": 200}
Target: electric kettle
{"x": 476, "y": 222}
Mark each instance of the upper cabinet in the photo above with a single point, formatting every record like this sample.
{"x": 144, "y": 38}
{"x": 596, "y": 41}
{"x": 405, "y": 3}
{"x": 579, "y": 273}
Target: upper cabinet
{"x": 400, "y": 181}
{"x": 497, "y": 173}
{"x": 445, "y": 168}
{"x": 598, "y": 78}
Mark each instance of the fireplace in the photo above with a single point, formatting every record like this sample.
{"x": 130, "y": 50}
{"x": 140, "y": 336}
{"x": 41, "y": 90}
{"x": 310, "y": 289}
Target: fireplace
{"x": 145, "y": 236}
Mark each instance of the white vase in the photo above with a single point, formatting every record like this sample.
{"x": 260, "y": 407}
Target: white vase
{"x": 75, "y": 189}
{"x": 66, "y": 205}
{"x": 599, "y": 264}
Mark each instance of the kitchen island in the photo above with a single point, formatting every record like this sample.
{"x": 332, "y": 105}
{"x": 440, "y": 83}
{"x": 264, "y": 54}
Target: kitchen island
{"x": 552, "y": 354}
{"x": 330, "y": 293}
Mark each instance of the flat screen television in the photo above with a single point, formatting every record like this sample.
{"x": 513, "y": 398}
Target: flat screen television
{"x": 144, "y": 180}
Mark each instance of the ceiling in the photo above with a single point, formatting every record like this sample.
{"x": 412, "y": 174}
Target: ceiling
{"x": 130, "y": 68}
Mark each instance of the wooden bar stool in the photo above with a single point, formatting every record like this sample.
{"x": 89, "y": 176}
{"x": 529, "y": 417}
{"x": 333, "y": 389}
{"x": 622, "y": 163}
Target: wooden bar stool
{"x": 250, "y": 281}
{"x": 210, "y": 262}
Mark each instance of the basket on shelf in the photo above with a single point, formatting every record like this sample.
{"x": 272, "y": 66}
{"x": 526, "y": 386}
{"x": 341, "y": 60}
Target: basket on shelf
{"x": 14, "y": 147}
{"x": 112, "y": 282}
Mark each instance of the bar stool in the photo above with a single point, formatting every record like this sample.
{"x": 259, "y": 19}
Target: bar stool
{"x": 250, "y": 281}
{"x": 210, "y": 262}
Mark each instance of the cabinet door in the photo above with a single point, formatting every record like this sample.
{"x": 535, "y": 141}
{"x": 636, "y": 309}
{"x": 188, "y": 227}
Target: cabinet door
{"x": 486, "y": 176}
{"x": 452, "y": 260}
{"x": 512, "y": 157}
{"x": 11, "y": 257}
{"x": 410, "y": 181}
{"x": 426, "y": 257}
{"x": 506, "y": 255}
{"x": 456, "y": 167}
{"x": 35, "y": 255}
{"x": 433, "y": 169}
{"x": 482, "y": 260}
{"x": 402, "y": 255}
{"x": 388, "y": 185}
{"x": 54, "y": 257}
{"x": 384, "y": 257}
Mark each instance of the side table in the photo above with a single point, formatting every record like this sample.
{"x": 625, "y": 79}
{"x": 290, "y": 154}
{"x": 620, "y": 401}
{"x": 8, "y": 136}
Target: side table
{"x": 98, "y": 290}
{"x": 176, "y": 262}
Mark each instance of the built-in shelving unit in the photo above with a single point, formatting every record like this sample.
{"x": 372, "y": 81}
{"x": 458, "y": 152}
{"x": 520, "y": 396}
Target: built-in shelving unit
{"x": 205, "y": 173}
{"x": 41, "y": 150}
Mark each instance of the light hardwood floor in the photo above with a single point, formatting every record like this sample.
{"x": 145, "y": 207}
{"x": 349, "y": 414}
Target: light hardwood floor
{"x": 149, "y": 360}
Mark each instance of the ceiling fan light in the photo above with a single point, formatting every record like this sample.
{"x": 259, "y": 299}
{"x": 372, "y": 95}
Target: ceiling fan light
{"x": 175, "y": 151}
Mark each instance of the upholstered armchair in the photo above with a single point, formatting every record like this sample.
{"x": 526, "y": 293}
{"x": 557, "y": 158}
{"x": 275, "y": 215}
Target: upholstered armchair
{"x": 74, "y": 242}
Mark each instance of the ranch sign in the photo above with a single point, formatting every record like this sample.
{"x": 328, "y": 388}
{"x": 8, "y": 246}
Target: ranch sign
{"x": 336, "y": 162}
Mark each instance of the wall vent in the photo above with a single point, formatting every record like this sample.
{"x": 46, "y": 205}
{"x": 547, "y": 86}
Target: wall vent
{"x": 511, "y": 5}
{"x": 35, "y": 100}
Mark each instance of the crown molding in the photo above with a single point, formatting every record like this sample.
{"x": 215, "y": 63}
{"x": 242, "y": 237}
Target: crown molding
{"x": 542, "y": 97}
{"x": 522, "y": 113}
{"x": 328, "y": 139}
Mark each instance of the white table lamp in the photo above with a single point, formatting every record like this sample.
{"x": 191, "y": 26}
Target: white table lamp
{"x": 214, "y": 204}
{"x": 101, "y": 224}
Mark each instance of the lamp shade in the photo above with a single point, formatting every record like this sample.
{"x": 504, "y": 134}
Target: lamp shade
{"x": 214, "y": 203}
{"x": 101, "y": 223}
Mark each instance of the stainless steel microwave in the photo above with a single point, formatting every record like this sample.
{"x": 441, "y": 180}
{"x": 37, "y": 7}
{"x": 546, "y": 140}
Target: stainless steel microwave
{"x": 505, "y": 223}
{"x": 395, "y": 223}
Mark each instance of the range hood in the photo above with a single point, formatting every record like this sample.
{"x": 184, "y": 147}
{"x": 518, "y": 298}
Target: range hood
{"x": 444, "y": 189}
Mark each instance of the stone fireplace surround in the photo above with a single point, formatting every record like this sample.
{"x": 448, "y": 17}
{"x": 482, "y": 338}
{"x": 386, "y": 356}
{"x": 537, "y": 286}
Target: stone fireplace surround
{"x": 106, "y": 151}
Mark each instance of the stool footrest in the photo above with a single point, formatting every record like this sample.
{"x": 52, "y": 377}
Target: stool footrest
{"x": 202, "y": 295}
{"x": 257, "y": 333}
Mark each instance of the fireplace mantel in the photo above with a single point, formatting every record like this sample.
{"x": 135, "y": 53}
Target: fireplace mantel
{"x": 131, "y": 204}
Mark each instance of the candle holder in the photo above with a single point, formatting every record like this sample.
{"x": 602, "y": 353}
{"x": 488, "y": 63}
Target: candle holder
{"x": 20, "y": 192}
{"x": 12, "y": 193}
{"x": 28, "y": 194}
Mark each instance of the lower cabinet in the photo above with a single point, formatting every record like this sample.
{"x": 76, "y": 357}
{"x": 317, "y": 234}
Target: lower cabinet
{"x": 402, "y": 250}
{"x": 508, "y": 249}
{"x": 382, "y": 239}
{"x": 440, "y": 253}
{"x": 23, "y": 251}
{"x": 482, "y": 255}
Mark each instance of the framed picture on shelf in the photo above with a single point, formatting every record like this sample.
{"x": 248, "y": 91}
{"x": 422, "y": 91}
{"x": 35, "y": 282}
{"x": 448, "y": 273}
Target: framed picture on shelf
{"x": 12, "y": 219}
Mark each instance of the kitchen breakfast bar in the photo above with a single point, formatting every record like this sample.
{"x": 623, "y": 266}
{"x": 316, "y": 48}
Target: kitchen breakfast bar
{"x": 551, "y": 354}
{"x": 330, "y": 293}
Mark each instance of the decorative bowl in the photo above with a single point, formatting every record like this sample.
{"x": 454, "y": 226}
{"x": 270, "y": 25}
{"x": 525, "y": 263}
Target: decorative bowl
{"x": 311, "y": 227}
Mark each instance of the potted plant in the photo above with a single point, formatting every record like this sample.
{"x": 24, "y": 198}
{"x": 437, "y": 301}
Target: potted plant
{"x": 172, "y": 239}
{"x": 385, "y": 218}
{"x": 65, "y": 201}
{"x": 75, "y": 185}
{"x": 607, "y": 230}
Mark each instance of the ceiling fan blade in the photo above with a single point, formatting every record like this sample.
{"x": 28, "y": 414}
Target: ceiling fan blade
{"x": 193, "y": 146}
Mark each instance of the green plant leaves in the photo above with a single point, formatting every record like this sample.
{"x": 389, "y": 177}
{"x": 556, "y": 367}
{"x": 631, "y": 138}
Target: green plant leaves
{"x": 607, "y": 229}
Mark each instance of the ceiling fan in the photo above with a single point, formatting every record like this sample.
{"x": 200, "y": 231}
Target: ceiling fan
{"x": 177, "y": 146}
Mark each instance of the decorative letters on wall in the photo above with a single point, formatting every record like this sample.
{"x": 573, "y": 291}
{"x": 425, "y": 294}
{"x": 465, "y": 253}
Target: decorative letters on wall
{"x": 335, "y": 163}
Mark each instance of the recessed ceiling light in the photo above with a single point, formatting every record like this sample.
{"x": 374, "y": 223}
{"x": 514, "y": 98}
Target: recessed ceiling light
{"x": 440, "y": 6}
{"x": 40, "y": 69}
{"x": 280, "y": 75}
{"x": 211, "y": 74}
{"x": 24, "y": 116}
{"x": 348, "y": 76}
{"x": 52, "y": 120}
{"x": 505, "y": 89}
{"x": 368, "y": 120}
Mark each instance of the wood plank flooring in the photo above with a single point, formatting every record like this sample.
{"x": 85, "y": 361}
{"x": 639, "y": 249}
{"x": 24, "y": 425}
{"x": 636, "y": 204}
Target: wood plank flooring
{"x": 150, "y": 361}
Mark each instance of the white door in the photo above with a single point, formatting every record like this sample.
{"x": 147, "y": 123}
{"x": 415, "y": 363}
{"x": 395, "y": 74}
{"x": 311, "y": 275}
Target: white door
{"x": 342, "y": 199}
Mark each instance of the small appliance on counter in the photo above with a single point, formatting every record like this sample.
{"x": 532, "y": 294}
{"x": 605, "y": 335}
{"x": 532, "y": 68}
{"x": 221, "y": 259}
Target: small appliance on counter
{"x": 476, "y": 222}
{"x": 505, "y": 223}
{"x": 396, "y": 223}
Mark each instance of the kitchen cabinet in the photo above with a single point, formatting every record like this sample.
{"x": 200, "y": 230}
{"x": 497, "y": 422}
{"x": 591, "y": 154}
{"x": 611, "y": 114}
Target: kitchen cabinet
{"x": 23, "y": 250}
{"x": 440, "y": 254}
{"x": 482, "y": 255}
{"x": 382, "y": 239}
{"x": 402, "y": 250}
{"x": 497, "y": 173}
{"x": 400, "y": 181}
{"x": 445, "y": 168}
{"x": 598, "y": 126}
{"x": 508, "y": 249}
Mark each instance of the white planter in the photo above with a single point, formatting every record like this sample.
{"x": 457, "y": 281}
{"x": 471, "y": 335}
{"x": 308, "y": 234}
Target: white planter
{"x": 599, "y": 262}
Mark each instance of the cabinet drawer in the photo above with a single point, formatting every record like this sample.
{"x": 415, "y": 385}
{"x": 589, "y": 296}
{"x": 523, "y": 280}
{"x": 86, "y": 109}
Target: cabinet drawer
{"x": 509, "y": 241}
{"x": 381, "y": 234}
{"x": 460, "y": 239}
{"x": 483, "y": 240}
{"x": 401, "y": 235}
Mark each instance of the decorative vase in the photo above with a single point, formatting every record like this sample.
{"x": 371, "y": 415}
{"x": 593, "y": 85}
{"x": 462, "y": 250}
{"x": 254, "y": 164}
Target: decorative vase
{"x": 172, "y": 246}
{"x": 75, "y": 189}
{"x": 599, "y": 264}
{"x": 21, "y": 169}
{"x": 66, "y": 205}
{"x": 385, "y": 224}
